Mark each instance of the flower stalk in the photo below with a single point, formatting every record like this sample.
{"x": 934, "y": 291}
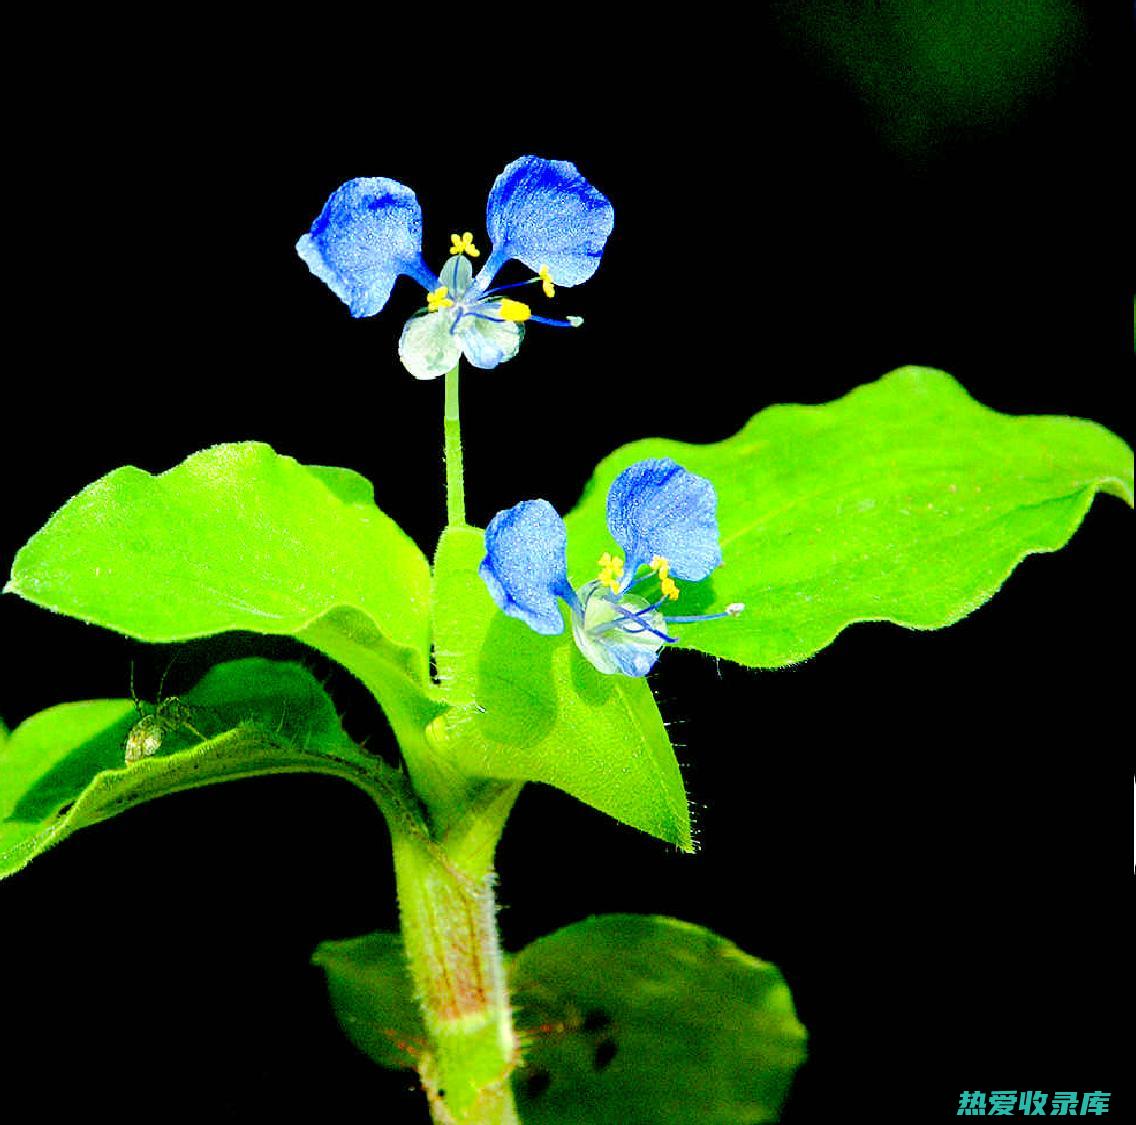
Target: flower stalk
{"x": 455, "y": 472}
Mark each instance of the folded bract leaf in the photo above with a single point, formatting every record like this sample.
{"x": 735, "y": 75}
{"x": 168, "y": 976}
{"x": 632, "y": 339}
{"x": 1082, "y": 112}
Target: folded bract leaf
{"x": 527, "y": 707}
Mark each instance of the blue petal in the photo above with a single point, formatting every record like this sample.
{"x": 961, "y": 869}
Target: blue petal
{"x": 524, "y": 565}
{"x": 368, "y": 232}
{"x": 488, "y": 342}
{"x": 658, "y": 508}
{"x": 546, "y": 214}
{"x": 631, "y": 658}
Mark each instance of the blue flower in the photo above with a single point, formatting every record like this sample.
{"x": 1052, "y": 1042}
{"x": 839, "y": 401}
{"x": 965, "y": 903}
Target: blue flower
{"x": 663, "y": 517}
{"x": 541, "y": 212}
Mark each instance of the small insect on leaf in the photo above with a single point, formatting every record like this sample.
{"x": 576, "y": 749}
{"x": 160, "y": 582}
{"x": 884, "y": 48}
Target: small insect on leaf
{"x": 167, "y": 715}
{"x": 144, "y": 739}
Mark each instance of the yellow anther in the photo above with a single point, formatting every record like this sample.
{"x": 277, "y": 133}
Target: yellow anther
{"x": 463, "y": 244}
{"x": 546, "y": 282}
{"x": 611, "y": 567}
{"x": 609, "y": 561}
{"x": 437, "y": 299}
{"x": 509, "y": 309}
{"x": 667, "y": 585}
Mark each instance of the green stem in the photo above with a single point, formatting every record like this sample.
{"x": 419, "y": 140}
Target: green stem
{"x": 455, "y": 476}
{"x": 449, "y": 931}
{"x": 447, "y": 908}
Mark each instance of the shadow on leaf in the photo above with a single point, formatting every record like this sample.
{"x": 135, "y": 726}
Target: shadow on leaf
{"x": 515, "y": 684}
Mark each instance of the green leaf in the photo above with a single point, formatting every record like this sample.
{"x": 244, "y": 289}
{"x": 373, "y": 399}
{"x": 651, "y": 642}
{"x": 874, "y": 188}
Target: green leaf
{"x": 239, "y": 537}
{"x": 630, "y": 1018}
{"x": 373, "y": 997}
{"x": 904, "y": 501}
{"x": 525, "y": 707}
{"x": 63, "y": 769}
{"x": 649, "y": 1021}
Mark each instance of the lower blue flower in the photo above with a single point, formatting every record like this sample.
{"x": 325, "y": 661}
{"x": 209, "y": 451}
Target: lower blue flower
{"x": 664, "y": 519}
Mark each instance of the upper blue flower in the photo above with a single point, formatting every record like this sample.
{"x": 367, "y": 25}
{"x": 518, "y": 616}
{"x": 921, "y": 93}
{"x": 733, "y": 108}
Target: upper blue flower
{"x": 664, "y": 519}
{"x": 541, "y": 212}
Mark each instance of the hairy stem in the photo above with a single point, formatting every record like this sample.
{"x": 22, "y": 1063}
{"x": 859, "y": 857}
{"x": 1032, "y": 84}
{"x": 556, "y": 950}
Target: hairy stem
{"x": 449, "y": 931}
{"x": 455, "y": 476}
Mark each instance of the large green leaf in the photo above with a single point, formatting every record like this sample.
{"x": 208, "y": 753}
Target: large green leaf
{"x": 649, "y": 1021}
{"x": 525, "y": 707}
{"x": 63, "y": 769}
{"x": 904, "y": 501}
{"x": 623, "y": 1018}
{"x": 240, "y": 537}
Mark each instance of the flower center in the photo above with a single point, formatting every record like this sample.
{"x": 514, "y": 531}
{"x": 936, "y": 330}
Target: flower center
{"x": 612, "y": 575}
{"x": 457, "y": 283}
{"x": 621, "y": 632}
{"x": 457, "y": 276}
{"x": 616, "y": 632}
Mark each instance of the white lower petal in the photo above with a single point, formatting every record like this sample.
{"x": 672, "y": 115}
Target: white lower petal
{"x": 427, "y": 347}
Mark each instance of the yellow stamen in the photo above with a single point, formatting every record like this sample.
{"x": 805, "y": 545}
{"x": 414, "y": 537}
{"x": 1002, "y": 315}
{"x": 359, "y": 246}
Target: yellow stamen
{"x": 611, "y": 567}
{"x": 463, "y": 244}
{"x": 667, "y": 585}
{"x": 437, "y": 299}
{"x": 546, "y": 282}
{"x": 513, "y": 310}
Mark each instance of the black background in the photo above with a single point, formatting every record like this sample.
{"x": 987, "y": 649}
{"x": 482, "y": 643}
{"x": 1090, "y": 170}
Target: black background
{"x": 927, "y": 832}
